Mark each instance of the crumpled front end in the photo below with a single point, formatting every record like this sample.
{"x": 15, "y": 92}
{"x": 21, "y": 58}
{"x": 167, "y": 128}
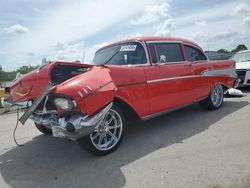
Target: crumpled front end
{"x": 75, "y": 107}
{"x": 72, "y": 126}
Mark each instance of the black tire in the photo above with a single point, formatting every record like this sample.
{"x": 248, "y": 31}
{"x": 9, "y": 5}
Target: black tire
{"x": 209, "y": 103}
{"x": 43, "y": 129}
{"x": 87, "y": 142}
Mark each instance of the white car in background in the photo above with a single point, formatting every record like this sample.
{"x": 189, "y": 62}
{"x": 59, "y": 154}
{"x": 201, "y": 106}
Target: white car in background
{"x": 242, "y": 59}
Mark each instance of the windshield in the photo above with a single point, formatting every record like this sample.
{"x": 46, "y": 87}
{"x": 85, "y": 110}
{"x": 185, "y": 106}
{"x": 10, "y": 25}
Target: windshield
{"x": 131, "y": 53}
{"x": 242, "y": 56}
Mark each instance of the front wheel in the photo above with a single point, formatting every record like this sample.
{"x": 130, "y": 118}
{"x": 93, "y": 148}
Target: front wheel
{"x": 215, "y": 98}
{"x": 44, "y": 129}
{"x": 107, "y": 137}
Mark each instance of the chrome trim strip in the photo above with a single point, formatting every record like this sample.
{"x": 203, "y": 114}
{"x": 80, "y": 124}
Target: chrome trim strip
{"x": 220, "y": 72}
{"x": 79, "y": 93}
{"x": 173, "y": 78}
{"x": 89, "y": 88}
{"x": 85, "y": 90}
{"x": 195, "y": 46}
{"x": 224, "y": 72}
{"x": 163, "y": 41}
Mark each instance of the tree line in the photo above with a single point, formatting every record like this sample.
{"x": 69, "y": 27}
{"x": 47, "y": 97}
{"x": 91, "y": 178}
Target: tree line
{"x": 240, "y": 47}
{"x": 8, "y": 76}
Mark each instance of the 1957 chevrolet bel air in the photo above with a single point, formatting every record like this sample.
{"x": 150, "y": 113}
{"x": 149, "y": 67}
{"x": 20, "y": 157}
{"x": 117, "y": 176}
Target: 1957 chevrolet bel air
{"x": 145, "y": 76}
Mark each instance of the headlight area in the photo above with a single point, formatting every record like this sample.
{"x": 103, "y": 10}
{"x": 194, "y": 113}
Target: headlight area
{"x": 64, "y": 103}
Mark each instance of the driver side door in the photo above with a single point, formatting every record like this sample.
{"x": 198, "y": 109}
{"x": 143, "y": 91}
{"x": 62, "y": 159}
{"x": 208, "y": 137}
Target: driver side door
{"x": 168, "y": 83}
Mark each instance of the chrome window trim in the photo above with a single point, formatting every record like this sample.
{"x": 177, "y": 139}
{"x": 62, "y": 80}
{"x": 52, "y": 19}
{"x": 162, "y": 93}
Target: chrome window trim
{"x": 132, "y": 65}
{"x": 170, "y": 42}
{"x": 205, "y": 73}
{"x": 196, "y": 47}
{"x": 163, "y": 41}
{"x": 146, "y": 53}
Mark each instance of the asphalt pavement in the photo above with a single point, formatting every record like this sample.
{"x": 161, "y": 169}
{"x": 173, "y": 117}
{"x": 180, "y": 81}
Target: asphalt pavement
{"x": 190, "y": 147}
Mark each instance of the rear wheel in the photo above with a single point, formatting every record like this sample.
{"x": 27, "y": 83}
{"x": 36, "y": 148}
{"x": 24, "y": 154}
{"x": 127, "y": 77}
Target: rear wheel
{"x": 43, "y": 129}
{"x": 215, "y": 98}
{"x": 107, "y": 137}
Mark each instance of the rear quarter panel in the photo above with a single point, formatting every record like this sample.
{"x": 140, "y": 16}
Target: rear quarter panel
{"x": 213, "y": 72}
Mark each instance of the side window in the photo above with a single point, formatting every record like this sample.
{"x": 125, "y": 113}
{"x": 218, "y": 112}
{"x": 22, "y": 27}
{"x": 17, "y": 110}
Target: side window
{"x": 166, "y": 52}
{"x": 194, "y": 54}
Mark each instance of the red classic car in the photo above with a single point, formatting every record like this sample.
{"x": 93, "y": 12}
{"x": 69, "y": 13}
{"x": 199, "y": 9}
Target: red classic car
{"x": 145, "y": 76}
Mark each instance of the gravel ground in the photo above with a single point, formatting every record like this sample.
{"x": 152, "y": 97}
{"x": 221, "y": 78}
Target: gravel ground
{"x": 186, "y": 148}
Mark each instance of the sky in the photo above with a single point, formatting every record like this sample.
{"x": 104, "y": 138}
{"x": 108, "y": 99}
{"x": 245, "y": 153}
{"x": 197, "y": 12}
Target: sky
{"x": 65, "y": 30}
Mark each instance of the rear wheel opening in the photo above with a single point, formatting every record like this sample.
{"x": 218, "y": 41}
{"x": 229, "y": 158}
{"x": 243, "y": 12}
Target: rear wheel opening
{"x": 215, "y": 99}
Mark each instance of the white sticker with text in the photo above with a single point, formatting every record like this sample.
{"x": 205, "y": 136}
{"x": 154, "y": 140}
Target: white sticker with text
{"x": 128, "y": 48}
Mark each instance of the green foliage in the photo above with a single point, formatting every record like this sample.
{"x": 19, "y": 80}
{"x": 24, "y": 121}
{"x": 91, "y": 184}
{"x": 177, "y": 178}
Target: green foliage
{"x": 8, "y": 76}
{"x": 239, "y": 48}
{"x": 222, "y": 50}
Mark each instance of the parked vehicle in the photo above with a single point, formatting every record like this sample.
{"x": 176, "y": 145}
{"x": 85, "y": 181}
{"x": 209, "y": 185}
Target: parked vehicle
{"x": 145, "y": 76}
{"x": 242, "y": 59}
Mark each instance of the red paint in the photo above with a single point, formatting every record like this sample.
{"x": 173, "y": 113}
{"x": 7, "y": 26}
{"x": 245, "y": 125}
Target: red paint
{"x": 130, "y": 83}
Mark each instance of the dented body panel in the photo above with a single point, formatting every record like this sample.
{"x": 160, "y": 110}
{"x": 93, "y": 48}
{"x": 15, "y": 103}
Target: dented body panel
{"x": 148, "y": 89}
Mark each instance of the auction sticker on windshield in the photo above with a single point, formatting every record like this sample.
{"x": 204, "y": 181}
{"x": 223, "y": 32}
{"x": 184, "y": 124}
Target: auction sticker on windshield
{"x": 128, "y": 48}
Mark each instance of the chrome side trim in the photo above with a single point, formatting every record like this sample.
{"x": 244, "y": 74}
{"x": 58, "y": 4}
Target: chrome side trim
{"x": 195, "y": 46}
{"x": 224, "y": 72}
{"x": 220, "y": 72}
{"x": 173, "y": 78}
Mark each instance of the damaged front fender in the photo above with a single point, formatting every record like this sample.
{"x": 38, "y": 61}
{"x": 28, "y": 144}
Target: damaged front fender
{"x": 91, "y": 90}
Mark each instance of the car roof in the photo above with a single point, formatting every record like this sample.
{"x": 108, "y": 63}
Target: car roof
{"x": 152, "y": 39}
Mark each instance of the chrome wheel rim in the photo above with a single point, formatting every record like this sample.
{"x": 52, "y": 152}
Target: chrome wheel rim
{"x": 109, "y": 132}
{"x": 217, "y": 95}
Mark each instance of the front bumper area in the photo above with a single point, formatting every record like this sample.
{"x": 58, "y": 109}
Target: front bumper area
{"x": 71, "y": 128}
{"x": 244, "y": 76}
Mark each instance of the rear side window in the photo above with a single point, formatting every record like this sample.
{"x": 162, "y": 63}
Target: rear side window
{"x": 194, "y": 54}
{"x": 171, "y": 52}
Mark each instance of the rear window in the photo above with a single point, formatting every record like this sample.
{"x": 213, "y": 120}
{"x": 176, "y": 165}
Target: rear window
{"x": 171, "y": 51}
{"x": 194, "y": 54}
{"x": 131, "y": 53}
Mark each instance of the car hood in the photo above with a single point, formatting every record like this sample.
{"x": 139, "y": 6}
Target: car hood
{"x": 243, "y": 65}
